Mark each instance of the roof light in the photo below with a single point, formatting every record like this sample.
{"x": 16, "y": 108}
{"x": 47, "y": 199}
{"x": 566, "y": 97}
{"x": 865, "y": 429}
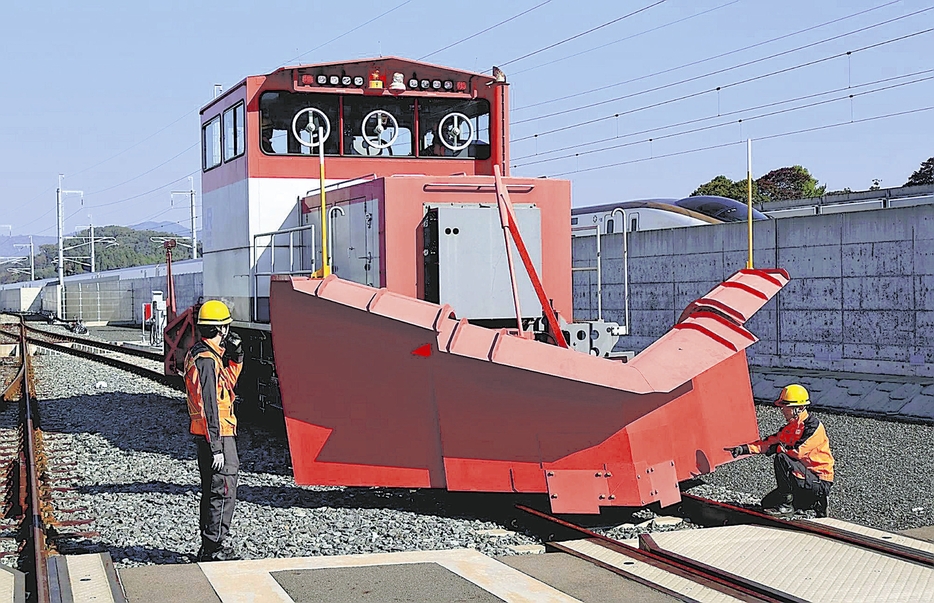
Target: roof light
{"x": 413, "y": 83}
{"x": 425, "y": 84}
{"x": 322, "y": 80}
{"x": 376, "y": 82}
{"x": 436, "y": 84}
{"x": 448, "y": 85}
{"x": 345, "y": 80}
{"x": 358, "y": 80}
{"x": 308, "y": 80}
{"x": 460, "y": 86}
{"x": 335, "y": 80}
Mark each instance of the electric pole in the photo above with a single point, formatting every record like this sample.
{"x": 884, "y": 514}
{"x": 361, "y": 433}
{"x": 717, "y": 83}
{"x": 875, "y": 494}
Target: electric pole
{"x": 59, "y": 193}
{"x": 193, "y": 213}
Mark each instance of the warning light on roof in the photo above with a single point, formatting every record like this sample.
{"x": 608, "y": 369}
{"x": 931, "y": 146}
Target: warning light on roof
{"x": 322, "y": 80}
{"x": 358, "y": 80}
{"x": 448, "y": 85}
{"x": 376, "y": 82}
{"x": 461, "y": 86}
{"x": 308, "y": 80}
{"x": 345, "y": 80}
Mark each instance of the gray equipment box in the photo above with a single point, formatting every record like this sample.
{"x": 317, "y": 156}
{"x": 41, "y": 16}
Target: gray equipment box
{"x": 465, "y": 261}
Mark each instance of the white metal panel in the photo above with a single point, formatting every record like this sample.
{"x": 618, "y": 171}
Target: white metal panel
{"x": 224, "y": 217}
{"x": 848, "y": 207}
{"x": 650, "y": 573}
{"x": 274, "y": 201}
{"x": 804, "y": 565}
{"x": 227, "y": 277}
{"x": 794, "y": 212}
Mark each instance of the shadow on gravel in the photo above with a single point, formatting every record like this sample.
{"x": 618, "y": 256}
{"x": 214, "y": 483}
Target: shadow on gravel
{"x": 158, "y": 424}
{"x": 498, "y": 507}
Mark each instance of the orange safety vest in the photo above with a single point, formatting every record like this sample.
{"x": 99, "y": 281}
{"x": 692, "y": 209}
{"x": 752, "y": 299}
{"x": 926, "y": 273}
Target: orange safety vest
{"x": 226, "y": 372}
{"x": 805, "y": 439}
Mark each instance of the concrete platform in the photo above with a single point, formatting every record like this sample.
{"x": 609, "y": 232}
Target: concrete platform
{"x": 925, "y": 533}
{"x": 454, "y": 575}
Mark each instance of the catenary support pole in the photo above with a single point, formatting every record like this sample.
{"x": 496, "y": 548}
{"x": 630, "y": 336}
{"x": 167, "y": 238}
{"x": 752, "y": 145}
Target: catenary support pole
{"x": 749, "y": 197}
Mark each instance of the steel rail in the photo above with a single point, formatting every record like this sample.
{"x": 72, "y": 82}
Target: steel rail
{"x": 168, "y": 380}
{"x": 104, "y": 345}
{"x": 704, "y": 511}
{"x": 695, "y": 571}
{"x": 32, "y": 509}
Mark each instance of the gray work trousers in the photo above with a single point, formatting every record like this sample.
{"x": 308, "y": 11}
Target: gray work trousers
{"x": 218, "y": 491}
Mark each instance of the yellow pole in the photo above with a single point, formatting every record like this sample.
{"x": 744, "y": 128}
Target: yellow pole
{"x": 325, "y": 258}
{"x": 749, "y": 196}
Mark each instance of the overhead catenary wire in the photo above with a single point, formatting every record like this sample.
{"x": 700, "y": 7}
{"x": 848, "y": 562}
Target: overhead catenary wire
{"x": 705, "y": 60}
{"x": 714, "y": 89}
{"x": 629, "y": 37}
{"x": 540, "y": 158}
{"x": 490, "y": 28}
{"x": 582, "y": 34}
{"x": 743, "y": 142}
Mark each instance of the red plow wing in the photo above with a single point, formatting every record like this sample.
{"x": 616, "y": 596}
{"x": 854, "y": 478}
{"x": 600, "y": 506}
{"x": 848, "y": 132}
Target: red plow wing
{"x": 380, "y": 389}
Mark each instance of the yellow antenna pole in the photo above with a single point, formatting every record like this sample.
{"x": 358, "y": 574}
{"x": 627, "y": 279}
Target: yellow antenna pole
{"x": 325, "y": 258}
{"x": 748, "y": 196}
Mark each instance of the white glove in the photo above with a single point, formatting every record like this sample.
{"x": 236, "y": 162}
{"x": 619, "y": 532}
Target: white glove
{"x": 218, "y": 463}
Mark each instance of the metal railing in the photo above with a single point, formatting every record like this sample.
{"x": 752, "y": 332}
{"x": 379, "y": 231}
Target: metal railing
{"x": 598, "y": 227}
{"x": 271, "y": 246}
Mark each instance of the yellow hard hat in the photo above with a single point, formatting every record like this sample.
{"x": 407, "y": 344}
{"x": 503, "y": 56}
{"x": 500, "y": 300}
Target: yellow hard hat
{"x": 214, "y": 312}
{"x": 793, "y": 395}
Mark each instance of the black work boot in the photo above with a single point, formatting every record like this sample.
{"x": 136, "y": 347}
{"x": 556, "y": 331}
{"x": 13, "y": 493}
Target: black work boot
{"x": 778, "y": 505}
{"x": 217, "y": 553}
{"x": 822, "y": 505}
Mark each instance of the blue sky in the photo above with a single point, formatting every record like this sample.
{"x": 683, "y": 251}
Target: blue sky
{"x": 108, "y": 92}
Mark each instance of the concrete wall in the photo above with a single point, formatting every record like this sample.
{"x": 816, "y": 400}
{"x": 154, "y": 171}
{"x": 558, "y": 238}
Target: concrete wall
{"x": 103, "y": 299}
{"x": 861, "y": 296}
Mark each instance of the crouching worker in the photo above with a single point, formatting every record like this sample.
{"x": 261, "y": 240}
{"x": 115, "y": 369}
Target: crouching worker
{"x": 803, "y": 462}
{"x": 211, "y": 370}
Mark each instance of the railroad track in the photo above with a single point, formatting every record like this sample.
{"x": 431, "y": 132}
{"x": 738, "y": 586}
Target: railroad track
{"x": 111, "y": 354}
{"x": 624, "y": 559}
{"x": 31, "y": 478}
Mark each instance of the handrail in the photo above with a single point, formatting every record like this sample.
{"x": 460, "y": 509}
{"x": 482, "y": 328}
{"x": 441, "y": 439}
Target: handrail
{"x": 255, "y": 273}
{"x": 475, "y": 187}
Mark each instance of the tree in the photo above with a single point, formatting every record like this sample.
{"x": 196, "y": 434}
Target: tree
{"x": 923, "y": 175}
{"x": 793, "y": 182}
{"x": 721, "y": 186}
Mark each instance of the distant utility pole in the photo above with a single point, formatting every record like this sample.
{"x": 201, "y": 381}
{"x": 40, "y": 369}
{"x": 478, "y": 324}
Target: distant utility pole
{"x": 59, "y": 193}
{"x": 191, "y": 199}
{"x": 32, "y": 257}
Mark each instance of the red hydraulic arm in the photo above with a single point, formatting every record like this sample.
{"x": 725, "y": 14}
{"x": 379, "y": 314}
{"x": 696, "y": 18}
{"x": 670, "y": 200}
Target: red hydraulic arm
{"x": 508, "y": 218}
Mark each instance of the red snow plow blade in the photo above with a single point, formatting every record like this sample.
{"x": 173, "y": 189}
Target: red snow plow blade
{"x": 381, "y": 389}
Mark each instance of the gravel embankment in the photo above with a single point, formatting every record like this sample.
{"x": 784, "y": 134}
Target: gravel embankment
{"x": 884, "y": 472}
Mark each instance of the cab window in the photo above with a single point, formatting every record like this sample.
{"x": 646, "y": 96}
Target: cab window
{"x": 379, "y": 127}
{"x": 454, "y": 128}
{"x": 280, "y": 110}
{"x": 211, "y": 144}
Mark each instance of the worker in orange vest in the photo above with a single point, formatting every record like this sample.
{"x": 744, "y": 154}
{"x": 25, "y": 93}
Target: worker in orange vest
{"x": 803, "y": 461}
{"x": 211, "y": 370}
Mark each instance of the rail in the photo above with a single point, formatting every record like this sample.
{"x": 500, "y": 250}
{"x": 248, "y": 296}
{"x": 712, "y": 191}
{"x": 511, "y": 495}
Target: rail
{"x": 271, "y": 247}
{"x": 700, "y": 573}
